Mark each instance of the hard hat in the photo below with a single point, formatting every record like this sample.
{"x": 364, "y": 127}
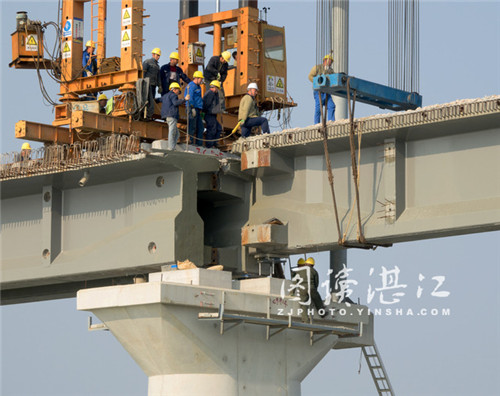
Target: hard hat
{"x": 26, "y": 146}
{"x": 174, "y": 85}
{"x": 174, "y": 55}
{"x": 90, "y": 43}
{"x": 301, "y": 261}
{"x": 102, "y": 97}
{"x": 310, "y": 261}
{"x": 156, "y": 51}
{"x": 226, "y": 55}
{"x": 215, "y": 83}
{"x": 328, "y": 56}
{"x": 197, "y": 74}
{"x": 252, "y": 85}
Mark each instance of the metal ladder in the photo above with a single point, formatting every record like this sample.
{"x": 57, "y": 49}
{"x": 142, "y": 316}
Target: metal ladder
{"x": 377, "y": 370}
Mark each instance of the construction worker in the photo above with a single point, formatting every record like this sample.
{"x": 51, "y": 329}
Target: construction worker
{"x": 248, "y": 114}
{"x": 307, "y": 282}
{"x": 25, "y": 152}
{"x": 194, "y": 108}
{"x": 170, "y": 73}
{"x": 326, "y": 99}
{"x": 211, "y": 107}
{"x": 170, "y": 112}
{"x": 89, "y": 61}
{"x": 102, "y": 100}
{"x": 217, "y": 70}
{"x": 151, "y": 69}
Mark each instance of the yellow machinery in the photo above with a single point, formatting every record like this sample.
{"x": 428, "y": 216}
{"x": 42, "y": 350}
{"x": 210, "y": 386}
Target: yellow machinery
{"x": 261, "y": 58}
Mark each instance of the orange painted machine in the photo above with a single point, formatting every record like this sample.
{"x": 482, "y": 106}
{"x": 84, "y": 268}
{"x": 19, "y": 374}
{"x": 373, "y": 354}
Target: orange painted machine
{"x": 259, "y": 49}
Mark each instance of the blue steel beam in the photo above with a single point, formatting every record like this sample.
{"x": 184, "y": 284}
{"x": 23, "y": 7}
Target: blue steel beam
{"x": 367, "y": 92}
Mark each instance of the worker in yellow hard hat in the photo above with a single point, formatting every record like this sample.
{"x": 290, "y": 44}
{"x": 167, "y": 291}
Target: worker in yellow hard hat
{"x": 25, "y": 152}
{"x": 89, "y": 61}
{"x": 151, "y": 71}
{"x": 307, "y": 282}
{"x": 171, "y": 72}
{"x": 194, "y": 109}
{"x": 325, "y": 68}
{"x": 170, "y": 103}
{"x": 211, "y": 107}
{"x": 102, "y": 100}
{"x": 217, "y": 70}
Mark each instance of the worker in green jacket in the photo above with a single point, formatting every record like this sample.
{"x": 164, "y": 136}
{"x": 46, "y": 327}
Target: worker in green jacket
{"x": 307, "y": 282}
{"x": 248, "y": 114}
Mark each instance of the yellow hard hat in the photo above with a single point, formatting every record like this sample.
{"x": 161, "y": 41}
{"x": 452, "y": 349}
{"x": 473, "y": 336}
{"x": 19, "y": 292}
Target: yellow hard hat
{"x": 215, "y": 83}
{"x": 310, "y": 261}
{"x": 301, "y": 261}
{"x": 197, "y": 74}
{"x": 174, "y": 85}
{"x": 328, "y": 56}
{"x": 102, "y": 97}
{"x": 174, "y": 55}
{"x": 226, "y": 55}
{"x": 90, "y": 43}
{"x": 26, "y": 146}
{"x": 156, "y": 51}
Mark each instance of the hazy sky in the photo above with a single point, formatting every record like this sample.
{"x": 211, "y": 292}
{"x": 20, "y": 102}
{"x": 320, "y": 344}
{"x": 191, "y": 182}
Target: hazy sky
{"x": 46, "y": 348}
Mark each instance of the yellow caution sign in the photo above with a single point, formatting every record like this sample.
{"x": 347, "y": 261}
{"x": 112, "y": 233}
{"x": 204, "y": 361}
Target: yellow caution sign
{"x": 126, "y": 41}
{"x": 31, "y": 43}
{"x": 126, "y": 14}
{"x": 279, "y": 84}
{"x": 66, "y": 50}
{"x": 125, "y": 37}
{"x": 199, "y": 53}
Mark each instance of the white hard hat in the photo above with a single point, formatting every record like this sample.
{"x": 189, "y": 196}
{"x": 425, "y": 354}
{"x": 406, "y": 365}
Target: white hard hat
{"x": 252, "y": 85}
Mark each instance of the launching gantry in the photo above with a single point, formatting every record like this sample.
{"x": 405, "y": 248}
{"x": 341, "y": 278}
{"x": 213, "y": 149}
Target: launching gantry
{"x": 261, "y": 57}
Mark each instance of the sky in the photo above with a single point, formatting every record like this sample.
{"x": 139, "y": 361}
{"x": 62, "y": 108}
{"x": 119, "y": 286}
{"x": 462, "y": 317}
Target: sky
{"x": 46, "y": 348}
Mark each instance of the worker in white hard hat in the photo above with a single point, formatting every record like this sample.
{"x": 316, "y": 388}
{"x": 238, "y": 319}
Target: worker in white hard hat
{"x": 151, "y": 71}
{"x": 211, "y": 107}
{"x": 102, "y": 100}
{"x": 194, "y": 109}
{"x": 89, "y": 61}
{"x": 171, "y": 72}
{"x": 325, "y": 68}
{"x": 249, "y": 115}
{"x": 170, "y": 112}
{"x": 216, "y": 69}
{"x": 306, "y": 280}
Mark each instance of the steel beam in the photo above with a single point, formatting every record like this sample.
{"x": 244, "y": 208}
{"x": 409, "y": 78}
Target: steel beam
{"x": 44, "y": 133}
{"x": 100, "y": 82}
{"x": 96, "y": 122}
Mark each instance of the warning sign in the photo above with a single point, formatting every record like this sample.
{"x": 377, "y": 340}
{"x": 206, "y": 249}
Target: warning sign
{"x": 270, "y": 84}
{"x": 66, "y": 50}
{"x": 199, "y": 58}
{"x": 32, "y": 42}
{"x": 126, "y": 16}
{"x": 126, "y": 34}
{"x": 68, "y": 28}
{"x": 280, "y": 85}
{"x": 199, "y": 53}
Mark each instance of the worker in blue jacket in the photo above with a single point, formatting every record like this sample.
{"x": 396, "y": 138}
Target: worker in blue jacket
{"x": 172, "y": 73}
{"x": 211, "y": 107}
{"x": 89, "y": 62}
{"x": 194, "y": 109}
{"x": 170, "y": 112}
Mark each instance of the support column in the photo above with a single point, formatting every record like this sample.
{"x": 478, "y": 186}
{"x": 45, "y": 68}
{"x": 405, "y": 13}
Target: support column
{"x": 132, "y": 14}
{"x": 338, "y": 258}
{"x": 101, "y": 32}
{"x": 340, "y": 47}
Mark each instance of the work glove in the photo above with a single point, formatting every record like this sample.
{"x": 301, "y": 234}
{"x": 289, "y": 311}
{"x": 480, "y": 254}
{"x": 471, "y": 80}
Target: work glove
{"x": 218, "y": 76}
{"x": 187, "y": 97}
{"x": 193, "y": 113}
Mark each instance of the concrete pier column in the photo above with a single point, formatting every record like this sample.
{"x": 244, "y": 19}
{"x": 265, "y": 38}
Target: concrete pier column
{"x": 338, "y": 258}
{"x": 158, "y": 323}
